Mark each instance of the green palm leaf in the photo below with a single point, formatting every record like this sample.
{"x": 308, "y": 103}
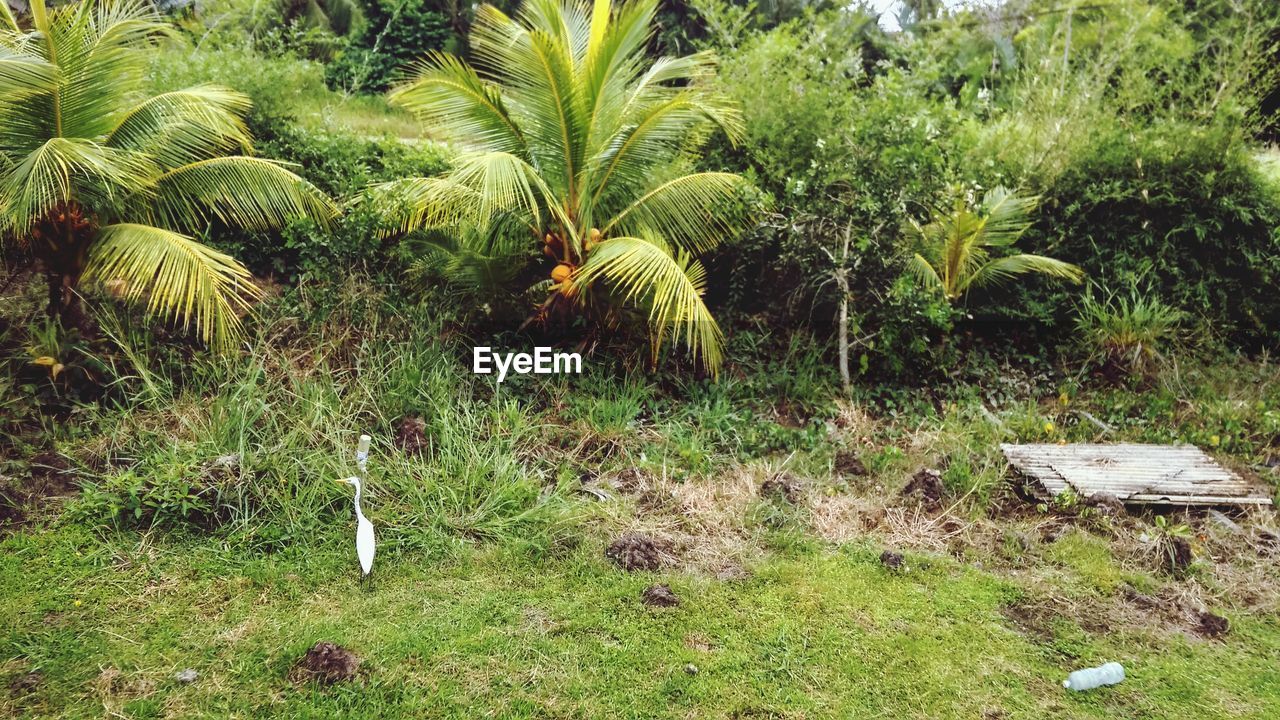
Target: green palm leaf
{"x": 61, "y": 168}
{"x": 22, "y": 75}
{"x": 447, "y": 94}
{"x": 239, "y": 191}
{"x": 179, "y": 277}
{"x": 185, "y": 126}
{"x": 956, "y": 247}
{"x": 691, "y": 209}
{"x": 670, "y": 286}
{"x": 1002, "y": 269}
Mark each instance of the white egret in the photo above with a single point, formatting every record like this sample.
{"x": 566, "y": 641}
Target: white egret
{"x": 364, "y": 530}
{"x": 365, "y": 545}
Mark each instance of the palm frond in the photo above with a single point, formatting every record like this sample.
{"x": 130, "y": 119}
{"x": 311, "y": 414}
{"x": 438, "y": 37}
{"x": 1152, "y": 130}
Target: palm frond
{"x": 48, "y": 176}
{"x": 629, "y": 159}
{"x": 8, "y": 22}
{"x": 22, "y": 75}
{"x": 179, "y": 277}
{"x": 451, "y": 98}
{"x": 102, "y": 51}
{"x": 1001, "y": 269}
{"x": 411, "y": 204}
{"x": 697, "y": 210}
{"x": 669, "y": 286}
{"x": 240, "y": 191}
{"x": 185, "y": 126}
{"x": 923, "y": 271}
{"x": 505, "y": 182}
{"x": 1007, "y": 215}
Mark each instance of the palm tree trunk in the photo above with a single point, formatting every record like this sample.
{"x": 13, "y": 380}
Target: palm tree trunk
{"x": 65, "y": 251}
{"x": 64, "y": 299}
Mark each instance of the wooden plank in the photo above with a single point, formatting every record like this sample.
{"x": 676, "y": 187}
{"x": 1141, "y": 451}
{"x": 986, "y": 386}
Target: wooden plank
{"x": 1135, "y": 473}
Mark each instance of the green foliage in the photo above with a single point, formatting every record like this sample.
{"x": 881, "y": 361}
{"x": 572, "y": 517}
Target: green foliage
{"x": 965, "y": 247}
{"x": 339, "y": 144}
{"x": 580, "y": 143}
{"x": 1127, "y": 330}
{"x": 97, "y": 183}
{"x": 291, "y": 433}
{"x": 854, "y": 150}
{"x": 397, "y": 33}
{"x": 1137, "y": 135}
{"x": 341, "y": 162}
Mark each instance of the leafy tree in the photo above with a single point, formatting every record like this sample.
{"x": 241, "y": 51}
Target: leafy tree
{"x": 338, "y": 16}
{"x": 396, "y": 33}
{"x": 959, "y": 248}
{"x": 97, "y": 181}
{"x": 568, "y": 127}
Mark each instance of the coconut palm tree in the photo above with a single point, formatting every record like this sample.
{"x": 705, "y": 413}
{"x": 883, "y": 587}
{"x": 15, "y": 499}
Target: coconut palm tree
{"x": 961, "y": 247}
{"x": 98, "y": 181}
{"x": 566, "y": 125}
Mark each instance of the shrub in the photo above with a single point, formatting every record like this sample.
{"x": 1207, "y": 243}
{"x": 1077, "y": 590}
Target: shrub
{"x": 1138, "y": 138}
{"x": 1126, "y": 331}
{"x": 397, "y": 33}
{"x": 848, "y": 154}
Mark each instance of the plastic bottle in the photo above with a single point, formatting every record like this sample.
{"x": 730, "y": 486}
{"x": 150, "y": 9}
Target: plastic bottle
{"x": 1090, "y": 678}
{"x": 362, "y": 452}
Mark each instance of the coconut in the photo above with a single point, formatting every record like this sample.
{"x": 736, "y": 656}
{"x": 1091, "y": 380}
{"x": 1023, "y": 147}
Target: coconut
{"x": 561, "y": 273}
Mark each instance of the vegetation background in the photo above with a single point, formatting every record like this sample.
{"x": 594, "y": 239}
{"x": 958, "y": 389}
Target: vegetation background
{"x": 164, "y": 506}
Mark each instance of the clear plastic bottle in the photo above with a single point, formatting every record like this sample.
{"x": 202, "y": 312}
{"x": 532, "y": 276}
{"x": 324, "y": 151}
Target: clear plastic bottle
{"x": 1090, "y": 678}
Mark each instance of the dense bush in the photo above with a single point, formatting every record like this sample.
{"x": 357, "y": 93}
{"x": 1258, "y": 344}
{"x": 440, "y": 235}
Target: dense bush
{"x": 1137, "y": 136}
{"x": 1140, "y": 146}
{"x": 1182, "y": 210}
{"x": 850, "y": 154}
{"x": 397, "y": 34}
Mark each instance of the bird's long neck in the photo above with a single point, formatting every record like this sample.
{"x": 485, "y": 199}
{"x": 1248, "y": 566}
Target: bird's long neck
{"x": 359, "y": 514}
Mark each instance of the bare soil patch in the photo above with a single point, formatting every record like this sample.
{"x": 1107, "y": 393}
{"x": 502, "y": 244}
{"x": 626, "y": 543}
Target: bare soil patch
{"x": 326, "y": 664}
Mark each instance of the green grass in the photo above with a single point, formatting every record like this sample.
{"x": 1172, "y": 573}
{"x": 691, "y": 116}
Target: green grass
{"x": 492, "y": 632}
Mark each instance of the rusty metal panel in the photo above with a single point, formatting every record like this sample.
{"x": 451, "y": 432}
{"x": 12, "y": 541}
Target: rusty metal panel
{"x": 1163, "y": 474}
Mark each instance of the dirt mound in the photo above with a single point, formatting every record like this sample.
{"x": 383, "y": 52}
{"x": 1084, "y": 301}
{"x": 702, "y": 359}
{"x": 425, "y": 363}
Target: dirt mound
{"x": 629, "y": 481}
{"x": 1212, "y": 626}
{"x": 892, "y": 560}
{"x": 26, "y": 683}
{"x": 659, "y": 596}
{"x": 633, "y": 552}
{"x": 49, "y": 475}
{"x": 925, "y": 488}
{"x": 784, "y": 487}
{"x": 326, "y": 664}
{"x": 411, "y": 435}
{"x": 848, "y": 464}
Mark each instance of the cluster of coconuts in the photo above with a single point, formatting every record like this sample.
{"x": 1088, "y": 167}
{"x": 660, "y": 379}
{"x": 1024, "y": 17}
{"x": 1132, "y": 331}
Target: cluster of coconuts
{"x": 55, "y": 225}
{"x": 553, "y": 247}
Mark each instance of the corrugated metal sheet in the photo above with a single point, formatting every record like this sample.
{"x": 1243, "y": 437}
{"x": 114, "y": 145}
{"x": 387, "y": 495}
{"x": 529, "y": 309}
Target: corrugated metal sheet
{"x": 1164, "y": 474}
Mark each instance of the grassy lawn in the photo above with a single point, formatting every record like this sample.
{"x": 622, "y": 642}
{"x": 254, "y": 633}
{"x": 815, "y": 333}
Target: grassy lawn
{"x": 818, "y": 633}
